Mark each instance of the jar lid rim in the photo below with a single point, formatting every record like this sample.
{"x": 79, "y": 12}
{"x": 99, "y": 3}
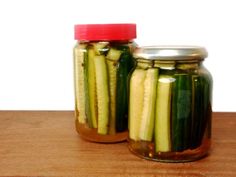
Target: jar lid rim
{"x": 170, "y": 52}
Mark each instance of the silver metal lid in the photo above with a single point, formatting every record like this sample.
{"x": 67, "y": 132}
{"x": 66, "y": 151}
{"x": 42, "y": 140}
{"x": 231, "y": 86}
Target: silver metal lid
{"x": 170, "y": 53}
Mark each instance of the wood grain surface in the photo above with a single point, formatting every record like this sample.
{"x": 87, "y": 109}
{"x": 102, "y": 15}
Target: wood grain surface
{"x": 45, "y": 143}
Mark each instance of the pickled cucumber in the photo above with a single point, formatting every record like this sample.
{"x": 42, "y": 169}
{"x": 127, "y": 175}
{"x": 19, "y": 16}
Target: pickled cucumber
{"x": 136, "y": 102}
{"x": 198, "y": 110}
{"x": 187, "y": 66}
{"x": 149, "y": 102}
{"x": 102, "y": 93}
{"x": 201, "y": 114}
{"x": 163, "y": 112}
{"x": 92, "y": 97}
{"x": 100, "y": 48}
{"x": 112, "y": 61}
{"x": 79, "y": 55}
{"x": 181, "y": 112}
{"x": 126, "y": 63}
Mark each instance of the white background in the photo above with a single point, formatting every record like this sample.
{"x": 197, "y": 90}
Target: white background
{"x": 36, "y": 41}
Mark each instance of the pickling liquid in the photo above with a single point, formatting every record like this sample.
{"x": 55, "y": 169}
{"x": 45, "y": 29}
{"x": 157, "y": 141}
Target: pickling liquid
{"x": 91, "y": 134}
{"x": 147, "y": 151}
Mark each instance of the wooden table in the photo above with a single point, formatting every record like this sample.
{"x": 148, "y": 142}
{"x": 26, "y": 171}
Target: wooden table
{"x": 44, "y": 143}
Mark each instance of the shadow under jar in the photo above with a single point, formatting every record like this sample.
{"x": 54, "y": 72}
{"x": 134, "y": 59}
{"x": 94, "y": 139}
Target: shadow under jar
{"x": 102, "y": 61}
{"x": 170, "y": 107}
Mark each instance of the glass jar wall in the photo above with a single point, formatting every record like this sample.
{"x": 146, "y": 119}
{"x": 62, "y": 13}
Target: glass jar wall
{"x": 170, "y": 105}
{"x": 102, "y": 61}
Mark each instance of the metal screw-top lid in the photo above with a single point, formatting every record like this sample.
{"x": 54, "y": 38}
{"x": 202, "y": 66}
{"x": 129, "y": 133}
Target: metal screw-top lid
{"x": 170, "y": 53}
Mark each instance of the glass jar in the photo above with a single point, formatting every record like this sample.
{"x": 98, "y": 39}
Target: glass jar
{"x": 102, "y": 61}
{"x": 170, "y": 105}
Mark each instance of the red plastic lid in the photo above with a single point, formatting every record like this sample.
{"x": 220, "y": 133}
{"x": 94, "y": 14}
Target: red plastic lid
{"x": 105, "y": 32}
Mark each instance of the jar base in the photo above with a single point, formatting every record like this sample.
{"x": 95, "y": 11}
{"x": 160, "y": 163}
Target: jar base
{"x": 146, "y": 150}
{"x": 91, "y": 135}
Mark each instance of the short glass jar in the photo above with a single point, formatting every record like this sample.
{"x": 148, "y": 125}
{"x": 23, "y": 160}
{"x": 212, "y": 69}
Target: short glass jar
{"x": 102, "y": 61}
{"x": 170, "y": 105}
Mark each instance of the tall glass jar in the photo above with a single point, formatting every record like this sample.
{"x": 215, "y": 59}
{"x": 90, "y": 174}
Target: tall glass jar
{"x": 102, "y": 61}
{"x": 170, "y": 104}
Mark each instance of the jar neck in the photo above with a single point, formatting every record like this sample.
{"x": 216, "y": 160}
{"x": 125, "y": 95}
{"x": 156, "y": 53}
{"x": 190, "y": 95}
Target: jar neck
{"x": 169, "y": 64}
{"x": 110, "y": 41}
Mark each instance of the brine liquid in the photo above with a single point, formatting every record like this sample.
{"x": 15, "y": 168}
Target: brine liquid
{"x": 146, "y": 150}
{"x": 91, "y": 134}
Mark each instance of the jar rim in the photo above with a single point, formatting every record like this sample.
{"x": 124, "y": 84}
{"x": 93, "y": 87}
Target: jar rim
{"x": 170, "y": 52}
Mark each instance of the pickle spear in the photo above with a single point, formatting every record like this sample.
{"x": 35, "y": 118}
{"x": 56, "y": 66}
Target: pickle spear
{"x": 136, "y": 102}
{"x": 124, "y": 67}
{"x": 112, "y": 61}
{"x": 201, "y": 104}
{"x": 79, "y": 55}
{"x": 91, "y": 86}
{"x": 181, "y": 112}
{"x": 198, "y": 110}
{"x": 162, "y": 119}
{"x": 149, "y": 102}
{"x": 102, "y": 93}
